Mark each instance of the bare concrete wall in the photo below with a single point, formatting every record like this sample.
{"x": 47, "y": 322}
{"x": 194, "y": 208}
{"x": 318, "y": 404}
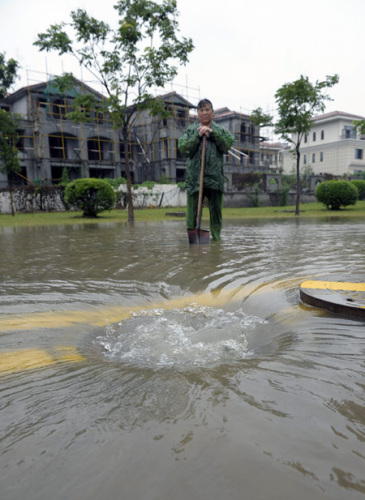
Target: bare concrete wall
{"x": 31, "y": 199}
{"x": 51, "y": 198}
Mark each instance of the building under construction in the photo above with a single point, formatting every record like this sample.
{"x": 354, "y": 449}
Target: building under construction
{"x": 51, "y": 145}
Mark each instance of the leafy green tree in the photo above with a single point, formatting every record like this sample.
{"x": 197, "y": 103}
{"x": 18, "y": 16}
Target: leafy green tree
{"x": 8, "y": 74}
{"x": 336, "y": 194}
{"x": 359, "y": 126}
{"x": 297, "y": 103}
{"x": 92, "y": 196}
{"x": 9, "y": 161}
{"x": 261, "y": 119}
{"x": 128, "y": 61}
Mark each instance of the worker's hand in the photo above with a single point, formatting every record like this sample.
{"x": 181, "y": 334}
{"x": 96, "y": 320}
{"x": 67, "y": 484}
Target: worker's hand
{"x": 204, "y": 130}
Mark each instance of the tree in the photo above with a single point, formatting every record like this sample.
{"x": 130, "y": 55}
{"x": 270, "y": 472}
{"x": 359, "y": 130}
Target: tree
{"x": 297, "y": 103}
{"x": 261, "y": 119}
{"x": 8, "y": 150}
{"x": 8, "y": 124}
{"x": 360, "y": 126}
{"x": 128, "y": 61}
{"x": 8, "y": 73}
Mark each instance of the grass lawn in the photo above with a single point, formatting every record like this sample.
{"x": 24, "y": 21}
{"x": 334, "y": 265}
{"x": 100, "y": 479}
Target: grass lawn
{"x": 159, "y": 214}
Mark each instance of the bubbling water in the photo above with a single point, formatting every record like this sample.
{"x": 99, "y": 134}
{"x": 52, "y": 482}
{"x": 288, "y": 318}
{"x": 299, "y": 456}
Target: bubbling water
{"x": 191, "y": 336}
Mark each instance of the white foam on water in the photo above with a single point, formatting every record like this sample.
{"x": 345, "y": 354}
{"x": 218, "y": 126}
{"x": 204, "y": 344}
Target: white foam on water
{"x": 194, "y": 335}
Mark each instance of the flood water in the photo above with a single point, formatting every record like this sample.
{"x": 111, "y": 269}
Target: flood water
{"x": 136, "y": 367}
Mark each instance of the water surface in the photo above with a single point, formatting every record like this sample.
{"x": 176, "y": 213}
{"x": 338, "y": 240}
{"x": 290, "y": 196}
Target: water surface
{"x": 135, "y": 366}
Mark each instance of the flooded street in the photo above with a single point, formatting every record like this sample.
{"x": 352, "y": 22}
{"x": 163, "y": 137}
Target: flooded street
{"x": 136, "y": 367}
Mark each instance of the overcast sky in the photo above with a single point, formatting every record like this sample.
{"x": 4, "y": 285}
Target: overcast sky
{"x": 244, "y": 50}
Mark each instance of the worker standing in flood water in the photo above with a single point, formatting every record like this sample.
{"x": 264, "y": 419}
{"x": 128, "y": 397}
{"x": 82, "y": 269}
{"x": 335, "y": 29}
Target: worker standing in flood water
{"x": 218, "y": 142}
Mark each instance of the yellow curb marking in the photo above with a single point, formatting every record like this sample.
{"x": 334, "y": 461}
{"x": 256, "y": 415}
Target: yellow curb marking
{"x": 33, "y": 358}
{"x": 334, "y": 285}
{"x": 52, "y": 319}
{"x": 338, "y": 286}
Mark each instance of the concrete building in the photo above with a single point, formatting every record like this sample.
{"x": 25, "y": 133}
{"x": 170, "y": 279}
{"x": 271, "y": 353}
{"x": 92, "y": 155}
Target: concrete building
{"x": 50, "y": 143}
{"x": 247, "y": 137}
{"x": 271, "y": 155}
{"x": 331, "y": 147}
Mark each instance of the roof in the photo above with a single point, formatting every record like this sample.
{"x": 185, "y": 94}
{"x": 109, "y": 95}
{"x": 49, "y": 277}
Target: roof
{"x": 226, "y": 113}
{"x": 337, "y": 114}
{"x": 175, "y": 98}
{"x": 49, "y": 88}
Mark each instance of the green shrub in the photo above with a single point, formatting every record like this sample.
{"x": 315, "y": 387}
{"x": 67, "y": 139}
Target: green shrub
{"x": 65, "y": 179}
{"x": 360, "y": 175}
{"x": 147, "y": 184}
{"x": 361, "y": 187}
{"x": 115, "y": 183}
{"x": 92, "y": 196}
{"x": 336, "y": 194}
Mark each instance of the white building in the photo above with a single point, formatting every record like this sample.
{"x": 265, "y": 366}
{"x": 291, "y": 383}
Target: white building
{"x": 331, "y": 147}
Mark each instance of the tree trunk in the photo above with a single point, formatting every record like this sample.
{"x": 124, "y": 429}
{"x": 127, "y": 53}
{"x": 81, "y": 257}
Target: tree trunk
{"x": 11, "y": 199}
{"x": 297, "y": 201}
{"x": 128, "y": 174}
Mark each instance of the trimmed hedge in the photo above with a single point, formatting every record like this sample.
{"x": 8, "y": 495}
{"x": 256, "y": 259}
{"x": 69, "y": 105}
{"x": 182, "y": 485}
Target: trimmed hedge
{"x": 360, "y": 186}
{"x": 336, "y": 194}
{"x": 92, "y": 196}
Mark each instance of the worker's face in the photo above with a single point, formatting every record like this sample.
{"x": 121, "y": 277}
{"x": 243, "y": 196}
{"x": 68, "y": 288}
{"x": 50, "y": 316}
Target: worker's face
{"x": 205, "y": 115}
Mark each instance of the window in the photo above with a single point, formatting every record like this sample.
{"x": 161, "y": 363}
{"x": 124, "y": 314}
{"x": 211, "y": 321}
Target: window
{"x": 305, "y": 138}
{"x": 243, "y": 132}
{"x": 348, "y": 132}
{"x": 180, "y": 175}
{"x": 20, "y": 140}
{"x": 252, "y": 133}
{"x": 181, "y": 120}
{"x": 305, "y": 159}
{"x": 314, "y": 136}
{"x": 99, "y": 149}
{"x": 166, "y": 148}
{"x": 358, "y": 154}
{"x": 168, "y": 110}
{"x": 99, "y": 116}
{"x": 322, "y": 135}
{"x": 314, "y": 158}
{"x": 94, "y": 150}
{"x": 59, "y": 109}
{"x": 57, "y": 146}
{"x": 321, "y": 156}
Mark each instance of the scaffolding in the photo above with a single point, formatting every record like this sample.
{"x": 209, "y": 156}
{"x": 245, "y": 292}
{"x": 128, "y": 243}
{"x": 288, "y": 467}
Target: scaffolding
{"x": 50, "y": 141}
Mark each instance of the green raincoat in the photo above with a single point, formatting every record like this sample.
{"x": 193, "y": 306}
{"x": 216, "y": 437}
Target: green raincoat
{"x": 218, "y": 143}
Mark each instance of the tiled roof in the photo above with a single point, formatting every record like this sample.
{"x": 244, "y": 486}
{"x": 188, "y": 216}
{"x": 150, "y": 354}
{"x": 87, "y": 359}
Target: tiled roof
{"x": 335, "y": 114}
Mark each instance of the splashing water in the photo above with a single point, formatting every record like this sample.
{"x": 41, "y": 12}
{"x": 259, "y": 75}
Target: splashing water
{"x": 192, "y": 336}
